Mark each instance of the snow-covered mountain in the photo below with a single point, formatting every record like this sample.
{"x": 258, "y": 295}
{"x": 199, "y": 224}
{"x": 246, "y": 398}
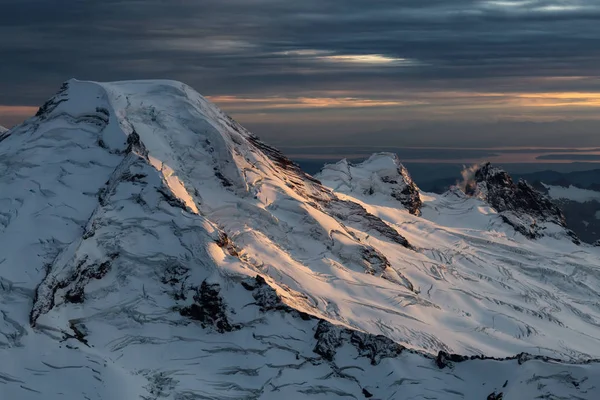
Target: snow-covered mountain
{"x": 151, "y": 247}
{"x": 382, "y": 173}
{"x": 519, "y": 204}
{"x": 581, "y": 207}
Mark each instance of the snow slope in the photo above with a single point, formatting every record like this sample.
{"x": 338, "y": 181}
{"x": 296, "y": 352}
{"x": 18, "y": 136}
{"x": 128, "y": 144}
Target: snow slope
{"x": 151, "y": 247}
{"x": 572, "y": 193}
{"x": 380, "y": 174}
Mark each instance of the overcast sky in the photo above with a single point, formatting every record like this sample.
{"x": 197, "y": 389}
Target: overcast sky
{"x": 328, "y": 72}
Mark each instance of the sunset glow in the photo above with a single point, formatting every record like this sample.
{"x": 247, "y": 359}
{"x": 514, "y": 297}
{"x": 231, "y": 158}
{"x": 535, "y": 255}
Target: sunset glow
{"x": 462, "y": 72}
{"x": 278, "y": 103}
{"x": 365, "y": 59}
{"x": 427, "y": 100}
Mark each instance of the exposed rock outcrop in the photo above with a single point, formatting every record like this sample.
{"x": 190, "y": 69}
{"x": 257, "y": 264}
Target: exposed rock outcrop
{"x": 519, "y": 204}
{"x": 209, "y": 309}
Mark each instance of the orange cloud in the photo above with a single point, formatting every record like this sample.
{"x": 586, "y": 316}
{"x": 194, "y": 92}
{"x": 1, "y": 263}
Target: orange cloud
{"x": 291, "y": 103}
{"x": 560, "y": 99}
{"x": 12, "y": 115}
{"x": 17, "y": 111}
{"x": 366, "y": 59}
{"x": 438, "y": 105}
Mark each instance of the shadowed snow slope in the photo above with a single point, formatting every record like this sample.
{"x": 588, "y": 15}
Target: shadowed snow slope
{"x": 151, "y": 247}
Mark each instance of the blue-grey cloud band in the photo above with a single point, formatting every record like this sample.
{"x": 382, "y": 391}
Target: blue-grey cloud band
{"x": 338, "y": 70}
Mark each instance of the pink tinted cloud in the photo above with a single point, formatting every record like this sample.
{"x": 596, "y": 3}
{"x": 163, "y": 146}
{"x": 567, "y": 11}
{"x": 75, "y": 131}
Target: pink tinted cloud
{"x": 12, "y": 115}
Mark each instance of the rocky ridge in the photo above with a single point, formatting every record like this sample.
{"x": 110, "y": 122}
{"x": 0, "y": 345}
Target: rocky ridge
{"x": 519, "y": 204}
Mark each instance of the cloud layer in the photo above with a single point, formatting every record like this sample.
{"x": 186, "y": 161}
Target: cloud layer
{"x": 369, "y": 65}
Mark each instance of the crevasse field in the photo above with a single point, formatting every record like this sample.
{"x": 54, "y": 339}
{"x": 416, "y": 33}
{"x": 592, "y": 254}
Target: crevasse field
{"x": 152, "y": 248}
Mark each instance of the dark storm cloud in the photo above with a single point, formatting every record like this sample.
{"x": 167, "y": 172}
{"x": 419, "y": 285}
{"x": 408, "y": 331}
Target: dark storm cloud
{"x": 222, "y": 44}
{"x": 259, "y": 48}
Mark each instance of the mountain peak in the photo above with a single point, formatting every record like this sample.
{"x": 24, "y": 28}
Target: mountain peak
{"x": 147, "y": 239}
{"x": 380, "y": 174}
{"x": 519, "y": 204}
{"x": 188, "y": 154}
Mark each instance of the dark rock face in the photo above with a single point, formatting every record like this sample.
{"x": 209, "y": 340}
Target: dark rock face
{"x": 79, "y": 332}
{"x": 504, "y": 195}
{"x": 349, "y": 212}
{"x": 176, "y": 275}
{"x": 405, "y": 190}
{"x": 444, "y": 359}
{"x": 224, "y": 181}
{"x": 410, "y": 198}
{"x": 172, "y": 200}
{"x": 134, "y": 143}
{"x": 375, "y": 261}
{"x": 367, "y": 394}
{"x": 330, "y": 337}
{"x": 73, "y": 285}
{"x": 99, "y": 118}
{"x": 295, "y": 177}
{"x": 50, "y": 105}
{"x": 375, "y": 347}
{"x": 209, "y": 309}
{"x": 519, "y": 204}
{"x": 268, "y": 300}
{"x": 225, "y": 243}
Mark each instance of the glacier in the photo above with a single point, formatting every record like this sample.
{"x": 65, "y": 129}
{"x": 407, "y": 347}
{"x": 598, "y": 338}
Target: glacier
{"x": 153, "y": 248}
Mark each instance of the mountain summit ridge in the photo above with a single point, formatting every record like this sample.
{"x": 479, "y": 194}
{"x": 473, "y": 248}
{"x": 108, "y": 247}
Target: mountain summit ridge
{"x": 147, "y": 240}
{"x": 519, "y": 204}
{"x": 381, "y": 172}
